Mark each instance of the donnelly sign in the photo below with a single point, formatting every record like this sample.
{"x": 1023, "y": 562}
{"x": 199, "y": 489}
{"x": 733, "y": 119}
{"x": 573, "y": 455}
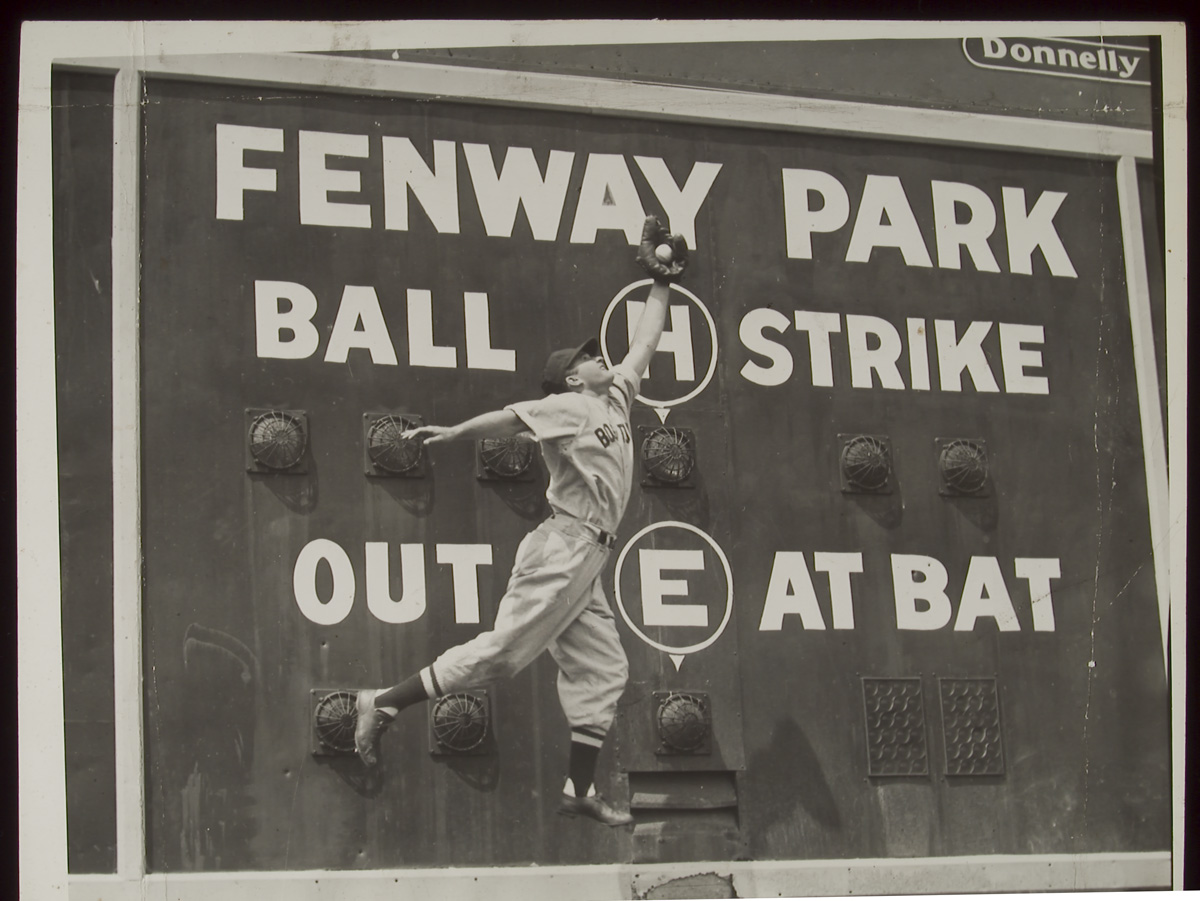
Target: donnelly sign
{"x": 1059, "y": 56}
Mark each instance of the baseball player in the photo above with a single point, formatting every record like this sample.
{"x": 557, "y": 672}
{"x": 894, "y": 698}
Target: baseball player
{"x": 554, "y": 600}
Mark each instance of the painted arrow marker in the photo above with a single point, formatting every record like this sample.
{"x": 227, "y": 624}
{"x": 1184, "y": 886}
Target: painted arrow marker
{"x": 677, "y": 659}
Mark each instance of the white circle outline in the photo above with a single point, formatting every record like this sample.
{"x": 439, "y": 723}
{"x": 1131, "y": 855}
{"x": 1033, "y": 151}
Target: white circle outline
{"x": 712, "y": 330}
{"x": 728, "y": 581}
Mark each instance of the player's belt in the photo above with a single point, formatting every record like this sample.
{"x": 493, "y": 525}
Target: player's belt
{"x": 601, "y": 536}
{"x": 608, "y": 539}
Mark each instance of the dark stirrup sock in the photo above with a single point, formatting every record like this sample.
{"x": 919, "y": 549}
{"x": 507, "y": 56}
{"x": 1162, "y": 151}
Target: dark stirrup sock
{"x": 410, "y": 691}
{"x": 581, "y": 767}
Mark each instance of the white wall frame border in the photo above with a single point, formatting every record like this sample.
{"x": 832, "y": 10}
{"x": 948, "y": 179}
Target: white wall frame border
{"x": 128, "y": 720}
{"x": 662, "y": 102}
{"x": 610, "y": 97}
{"x": 1154, "y": 447}
{"x": 750, "y": 879}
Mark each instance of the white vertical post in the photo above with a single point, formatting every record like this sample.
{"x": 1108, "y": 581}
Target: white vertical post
{"x": 127, "y": 527}
{"x": 1175, "y": 246}
{"x": 41, "y": 791}
{"x": 1154, "y": 448}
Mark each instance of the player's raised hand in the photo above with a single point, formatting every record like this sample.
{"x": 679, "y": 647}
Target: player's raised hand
{"x": 430, "y": 434}
{"x": 662, "y": 255}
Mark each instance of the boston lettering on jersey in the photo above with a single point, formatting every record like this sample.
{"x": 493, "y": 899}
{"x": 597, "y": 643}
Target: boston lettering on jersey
{"x": 606, "y": 434}
{"x": 578, "y": 435}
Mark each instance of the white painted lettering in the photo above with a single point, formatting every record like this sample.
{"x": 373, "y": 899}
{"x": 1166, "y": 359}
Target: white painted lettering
{"x": 918, "y": 354}
{"x": 304, "y": 582}
{"x": 680, "y": 204}
{"x": 973, "y": 234}
{"x": 1015, "y": 359}
{"x": 676, "y": 341}
{"x": 881, "y": 359}
{"x": 790, "y": 590}
{"x": 234, "y": 177}
{"x": 608, "y": 200}
{"x": 1039, "y": 571}
{"x": 465, "y": 560}
{"x": 751, "y": 329}
{"x": 411, "y": 605}
{"x": 819, "y": 326}
{"x": 436, "y": 189}
{"x": 1028, "y": 231}
{"x": 360, "y": 305}
{"x": 317, "y": 181}
{"x": 994, "y": 48}
{"x": 839, "y": 567}
{"x": 955, "y": 355}
{"x": 1067, "y": 57}
{"x": 480, "y": 353}
{"x": 800, "y": 220}
{"x": 985, "y": 594}
{"x": 520, "y": 183}
{"x": 930, "y": 589}
{"x": 270, "y": 322}
{"x": 421, "y": 349}
{"x": 655, "y": 588}
{"x": 883, "y": 197}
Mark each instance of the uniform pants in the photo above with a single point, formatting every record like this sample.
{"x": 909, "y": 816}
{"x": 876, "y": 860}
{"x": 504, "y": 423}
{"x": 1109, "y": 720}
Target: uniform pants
{"x": 554, "y": 601}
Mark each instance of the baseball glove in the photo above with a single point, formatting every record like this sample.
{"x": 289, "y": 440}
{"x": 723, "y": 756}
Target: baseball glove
{"x": 653, "y": 234}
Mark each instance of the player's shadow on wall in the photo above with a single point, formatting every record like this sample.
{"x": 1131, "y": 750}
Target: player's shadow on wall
{"x": 982, "y": 512}
{"x": 414, "y": 495}
{"x": 886, "y": 509}
{"x": 525, "y": 498}
{"x": 367, "y": 782}
{"x": 298, "y": 492}
{"x": 801, "y": 780}
{"x": 690, "y": 505}
{"x": 481, "y": 773}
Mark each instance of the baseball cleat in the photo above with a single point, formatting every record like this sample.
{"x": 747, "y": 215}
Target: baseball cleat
{"x": 369, "y": 727}
{"x": 595, "y": 807}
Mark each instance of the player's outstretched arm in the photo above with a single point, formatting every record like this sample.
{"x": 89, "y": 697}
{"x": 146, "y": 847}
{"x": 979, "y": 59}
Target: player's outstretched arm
{"x": 664, "y": 256}
{"x": 649, "y": 329}
{"x": 497, "y": 424}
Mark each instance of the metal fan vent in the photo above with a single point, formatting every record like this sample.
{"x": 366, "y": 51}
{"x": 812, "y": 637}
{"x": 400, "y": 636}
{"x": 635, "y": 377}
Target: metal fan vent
{"x": 963, "y": 465}
{"x": 684, "y": 725}
{"x": 866, "y": 463}
{"x": 669, "y": 455}
{"x": 334, "y": 719}
{"x": 460, "y": 722}
{"x": 277, "y": 440}
{"x": 506, "y": 458}
{"x": 388, "y": 449}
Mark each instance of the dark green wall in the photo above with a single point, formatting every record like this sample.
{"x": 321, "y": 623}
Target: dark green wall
{"x": 1085, "y": 746}
{"x": 82, "y": 134}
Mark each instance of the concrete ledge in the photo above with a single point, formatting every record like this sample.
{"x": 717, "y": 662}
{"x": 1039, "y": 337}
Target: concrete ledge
{"x": 748, "y": 879}
{"x": 661, "y": 102}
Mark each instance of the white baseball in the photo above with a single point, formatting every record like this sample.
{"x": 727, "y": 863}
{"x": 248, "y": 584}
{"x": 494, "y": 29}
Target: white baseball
{"x": 664, "y": 253}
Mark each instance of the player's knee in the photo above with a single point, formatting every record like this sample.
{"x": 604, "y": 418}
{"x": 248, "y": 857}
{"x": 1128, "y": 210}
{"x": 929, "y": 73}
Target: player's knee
{"x": 621, "y": 672}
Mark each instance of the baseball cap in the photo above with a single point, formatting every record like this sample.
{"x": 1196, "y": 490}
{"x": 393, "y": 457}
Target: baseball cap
{"x": 558, "y": 363}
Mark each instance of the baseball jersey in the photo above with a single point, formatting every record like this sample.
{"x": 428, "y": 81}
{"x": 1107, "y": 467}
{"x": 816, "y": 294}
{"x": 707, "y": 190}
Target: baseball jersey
{"x": 588, "y": 448}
